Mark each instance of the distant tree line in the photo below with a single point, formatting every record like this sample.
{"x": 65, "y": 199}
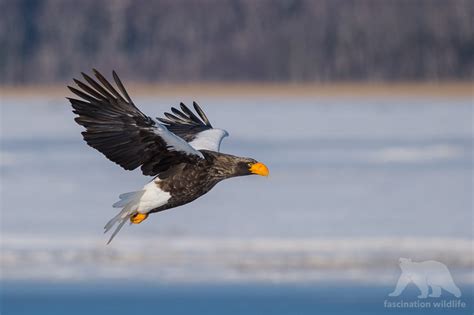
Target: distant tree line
{"x": 47, "y": 41}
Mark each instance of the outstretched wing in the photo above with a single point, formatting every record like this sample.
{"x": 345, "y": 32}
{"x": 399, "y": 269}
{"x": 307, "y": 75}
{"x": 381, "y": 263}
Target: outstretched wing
{"x": 198, "y": 131}
{"x": 119, "y": 130}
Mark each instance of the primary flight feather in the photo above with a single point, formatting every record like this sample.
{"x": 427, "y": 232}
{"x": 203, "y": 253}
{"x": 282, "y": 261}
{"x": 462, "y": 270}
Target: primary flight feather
{"x": 181, "y": 150}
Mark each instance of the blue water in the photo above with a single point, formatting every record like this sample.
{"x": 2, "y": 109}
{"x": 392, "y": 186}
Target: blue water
{"x": 144, "y": 298}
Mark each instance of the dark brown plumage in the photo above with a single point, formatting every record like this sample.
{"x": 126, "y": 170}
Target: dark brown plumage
{"x": 186, "y": 182}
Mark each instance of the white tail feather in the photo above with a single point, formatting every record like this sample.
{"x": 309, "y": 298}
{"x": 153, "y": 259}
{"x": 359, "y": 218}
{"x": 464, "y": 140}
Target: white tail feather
{"x": 130, "y": 202}
{"x": 126, "y": 198}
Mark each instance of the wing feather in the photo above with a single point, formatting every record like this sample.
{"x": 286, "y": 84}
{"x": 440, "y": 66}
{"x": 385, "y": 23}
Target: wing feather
{"x": 198, "y": 131}
{"x": 118, "y": 129}
{"x": 121, "y": 87}
{"x": 201, "y": 113}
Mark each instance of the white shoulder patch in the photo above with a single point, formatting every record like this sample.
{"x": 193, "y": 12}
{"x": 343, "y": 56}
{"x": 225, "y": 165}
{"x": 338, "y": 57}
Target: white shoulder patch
{"x": 174, "y": 142}
{"x": 209, "y": 139}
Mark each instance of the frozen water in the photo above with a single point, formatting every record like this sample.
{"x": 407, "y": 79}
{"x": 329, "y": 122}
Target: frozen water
{"x": 351, "y": 169}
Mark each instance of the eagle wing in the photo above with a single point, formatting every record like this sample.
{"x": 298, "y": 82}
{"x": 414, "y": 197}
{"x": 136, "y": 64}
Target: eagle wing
{"x": 197, "y": 131}
{"x": 120, "y": 131}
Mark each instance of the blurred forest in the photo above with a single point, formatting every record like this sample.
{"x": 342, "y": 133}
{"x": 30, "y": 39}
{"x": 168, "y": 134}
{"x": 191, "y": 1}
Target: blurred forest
{"x": 49, "y": 41}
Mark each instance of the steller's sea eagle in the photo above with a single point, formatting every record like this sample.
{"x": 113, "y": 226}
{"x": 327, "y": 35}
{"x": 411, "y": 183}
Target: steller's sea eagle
{"x": 181, "y": 151}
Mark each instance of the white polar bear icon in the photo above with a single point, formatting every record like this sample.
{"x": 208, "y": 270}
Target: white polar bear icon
{"x": 423, "y": 274}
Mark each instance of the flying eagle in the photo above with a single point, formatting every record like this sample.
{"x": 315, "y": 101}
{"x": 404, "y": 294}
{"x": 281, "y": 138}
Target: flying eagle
{"x": 181, "y": 151}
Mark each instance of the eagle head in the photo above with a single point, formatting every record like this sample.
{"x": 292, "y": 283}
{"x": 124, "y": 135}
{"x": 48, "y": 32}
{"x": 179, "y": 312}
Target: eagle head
{"x": 251, "y": 167}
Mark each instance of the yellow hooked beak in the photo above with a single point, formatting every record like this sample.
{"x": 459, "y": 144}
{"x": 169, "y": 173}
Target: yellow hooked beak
{"x": 259, "y": 169}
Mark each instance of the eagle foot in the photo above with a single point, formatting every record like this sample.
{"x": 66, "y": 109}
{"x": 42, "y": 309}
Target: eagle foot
{"x": 138, "y": 217}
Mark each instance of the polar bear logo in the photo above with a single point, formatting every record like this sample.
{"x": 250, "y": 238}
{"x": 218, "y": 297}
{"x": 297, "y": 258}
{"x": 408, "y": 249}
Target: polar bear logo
{"x": 425, "y": 274}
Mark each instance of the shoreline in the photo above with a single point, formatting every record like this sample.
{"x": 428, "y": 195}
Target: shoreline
{"x": 442, "y": 89}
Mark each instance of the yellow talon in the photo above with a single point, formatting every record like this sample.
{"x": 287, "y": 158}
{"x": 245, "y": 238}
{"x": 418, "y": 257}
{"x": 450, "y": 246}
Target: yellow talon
{"x": 138, "y": 218}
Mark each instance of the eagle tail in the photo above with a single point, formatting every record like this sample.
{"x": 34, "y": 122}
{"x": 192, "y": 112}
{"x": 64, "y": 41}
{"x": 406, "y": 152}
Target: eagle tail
{"x": 129, "y": 201}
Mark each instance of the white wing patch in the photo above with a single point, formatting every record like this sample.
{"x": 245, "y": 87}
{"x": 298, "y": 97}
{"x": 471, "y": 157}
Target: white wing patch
{"x": 209, "y": 139}
{"x": 174, "y": 142}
